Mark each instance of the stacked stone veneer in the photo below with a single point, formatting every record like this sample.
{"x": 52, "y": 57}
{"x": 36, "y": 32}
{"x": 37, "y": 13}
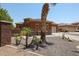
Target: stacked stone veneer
{"x": 5, "y": 33}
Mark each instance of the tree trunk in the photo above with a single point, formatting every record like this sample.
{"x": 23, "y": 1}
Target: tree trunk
{"x": 17, "y": 42}
{"x": 37, "y": 47}
{"x": 44, "y": 14}
{"x": 26, "y": 41}
{"x": 43, "y": 38}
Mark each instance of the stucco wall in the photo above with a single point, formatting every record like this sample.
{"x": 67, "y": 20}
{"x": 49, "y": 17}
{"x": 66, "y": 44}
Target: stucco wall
{"x": 54, "y": 28}
{"x": 68, "y": 28}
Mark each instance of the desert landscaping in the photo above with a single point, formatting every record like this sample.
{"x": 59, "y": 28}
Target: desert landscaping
{"x": 37, "y": 37}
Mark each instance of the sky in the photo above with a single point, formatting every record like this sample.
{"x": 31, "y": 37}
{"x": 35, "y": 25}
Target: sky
{"x": 61, "y": 13}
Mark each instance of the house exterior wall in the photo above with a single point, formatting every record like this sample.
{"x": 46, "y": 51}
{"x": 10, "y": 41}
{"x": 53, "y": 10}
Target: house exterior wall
{"x": 36, "y": 27}
{"x": 54, "y": 29}
{"x": 68, "y": 28}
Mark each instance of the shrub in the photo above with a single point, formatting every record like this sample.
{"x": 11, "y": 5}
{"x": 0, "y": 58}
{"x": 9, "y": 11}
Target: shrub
{"x": 36, "y": 41}
{"x": 18, "y": 39}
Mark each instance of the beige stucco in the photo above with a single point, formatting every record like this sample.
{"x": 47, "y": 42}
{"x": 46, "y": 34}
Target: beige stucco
{"x": 68, "y": 28}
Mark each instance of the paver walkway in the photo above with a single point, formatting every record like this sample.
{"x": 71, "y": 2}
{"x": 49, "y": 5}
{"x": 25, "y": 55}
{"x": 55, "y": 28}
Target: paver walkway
{"x": 10, "y": 51}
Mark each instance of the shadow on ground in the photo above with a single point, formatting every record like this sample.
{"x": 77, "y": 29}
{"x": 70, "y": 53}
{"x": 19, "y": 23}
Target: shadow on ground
{"x": 76, "y": 51}
{"x": 44, "y": 46}
{"x": 49, "y": 43}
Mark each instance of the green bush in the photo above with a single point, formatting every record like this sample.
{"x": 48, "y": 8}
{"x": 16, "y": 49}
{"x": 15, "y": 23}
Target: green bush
{"x": 36, "y": 40}
{"x": 18, "y": 39}
{"x": 25, "y": 31}
{"x": 28, "y": 19}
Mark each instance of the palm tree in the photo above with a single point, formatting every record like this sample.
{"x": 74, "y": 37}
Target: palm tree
{"x": 45, "y": 10}
{"x": 26, "y": 32}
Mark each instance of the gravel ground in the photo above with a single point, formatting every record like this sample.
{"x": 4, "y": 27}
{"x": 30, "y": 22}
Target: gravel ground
{"x": 58, "y": 47}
